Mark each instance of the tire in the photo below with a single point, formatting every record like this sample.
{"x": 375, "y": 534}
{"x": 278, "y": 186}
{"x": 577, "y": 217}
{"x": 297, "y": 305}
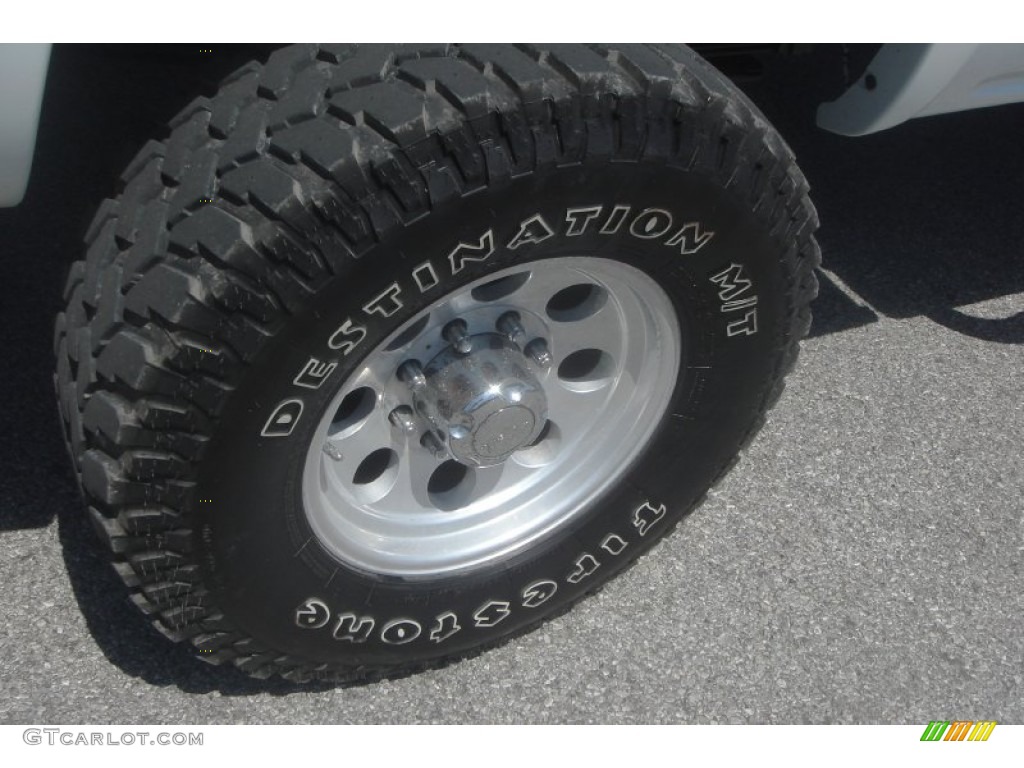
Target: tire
{"x": 311, "y": 215}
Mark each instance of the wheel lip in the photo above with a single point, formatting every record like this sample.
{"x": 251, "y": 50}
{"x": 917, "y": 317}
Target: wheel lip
{"x": 662, "y": 320}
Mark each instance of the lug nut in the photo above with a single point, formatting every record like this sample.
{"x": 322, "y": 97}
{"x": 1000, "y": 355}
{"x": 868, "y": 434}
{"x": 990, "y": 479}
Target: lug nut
{"x": 539, "y": 352}
{"x": 412, "y": 374}
{"x": 509, "y": 325}
{"x": 403, "y": 418}
{"x": 433, "y": 443}
{"x": 455, "y": 334}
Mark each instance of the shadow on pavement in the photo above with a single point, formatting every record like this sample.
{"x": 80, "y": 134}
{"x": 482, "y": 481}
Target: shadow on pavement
{"x": 918, "y": 220}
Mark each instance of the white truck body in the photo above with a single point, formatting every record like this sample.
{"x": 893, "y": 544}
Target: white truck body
{"x": 22, "y": 78}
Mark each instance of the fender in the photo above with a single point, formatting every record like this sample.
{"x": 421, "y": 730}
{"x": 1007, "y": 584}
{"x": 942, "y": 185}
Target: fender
{"x": 907, "y": 81}
{"x": 22, "y": 79}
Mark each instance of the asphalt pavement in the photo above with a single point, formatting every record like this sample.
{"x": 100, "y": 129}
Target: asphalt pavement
{"x": 863, "y": 563}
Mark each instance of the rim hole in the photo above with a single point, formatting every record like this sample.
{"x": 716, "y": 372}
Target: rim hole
{"x": 576, "y": 302}
{"x": 500, "y": 288}
{"x": 409, "y": 334}
{"x": 542, "y": 450}
{"x": 586, "y": 365}
{"x": 374, "y": 466}
{"x": 357, "y": 405}
{"x": 451, "y": 485}
{"x": 446, "y": 478}
{"x": 543, "y": 434}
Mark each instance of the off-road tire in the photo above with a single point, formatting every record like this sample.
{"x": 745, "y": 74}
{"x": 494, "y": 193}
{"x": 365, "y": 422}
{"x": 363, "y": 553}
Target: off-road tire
{"x": 275, "y": 209}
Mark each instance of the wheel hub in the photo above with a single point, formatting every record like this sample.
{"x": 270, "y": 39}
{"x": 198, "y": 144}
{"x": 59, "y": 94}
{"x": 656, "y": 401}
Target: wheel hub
{"x": 480, "y": 398}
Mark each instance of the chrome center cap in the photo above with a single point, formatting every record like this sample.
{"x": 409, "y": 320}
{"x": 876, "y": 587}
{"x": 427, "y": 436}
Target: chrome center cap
{"x": 485, "y": 403}
{"x": 504, "y": 431}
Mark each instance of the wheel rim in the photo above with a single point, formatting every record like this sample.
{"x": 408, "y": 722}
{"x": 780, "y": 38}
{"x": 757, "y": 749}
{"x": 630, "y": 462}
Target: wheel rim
{"x": 384, "y": 500}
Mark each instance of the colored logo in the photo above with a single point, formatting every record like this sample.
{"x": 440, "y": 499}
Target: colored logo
{"x": 958, "y": 730}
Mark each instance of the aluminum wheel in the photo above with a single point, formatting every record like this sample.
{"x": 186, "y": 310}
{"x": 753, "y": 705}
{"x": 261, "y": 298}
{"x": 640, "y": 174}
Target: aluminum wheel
{"x": 492, "y": 418}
